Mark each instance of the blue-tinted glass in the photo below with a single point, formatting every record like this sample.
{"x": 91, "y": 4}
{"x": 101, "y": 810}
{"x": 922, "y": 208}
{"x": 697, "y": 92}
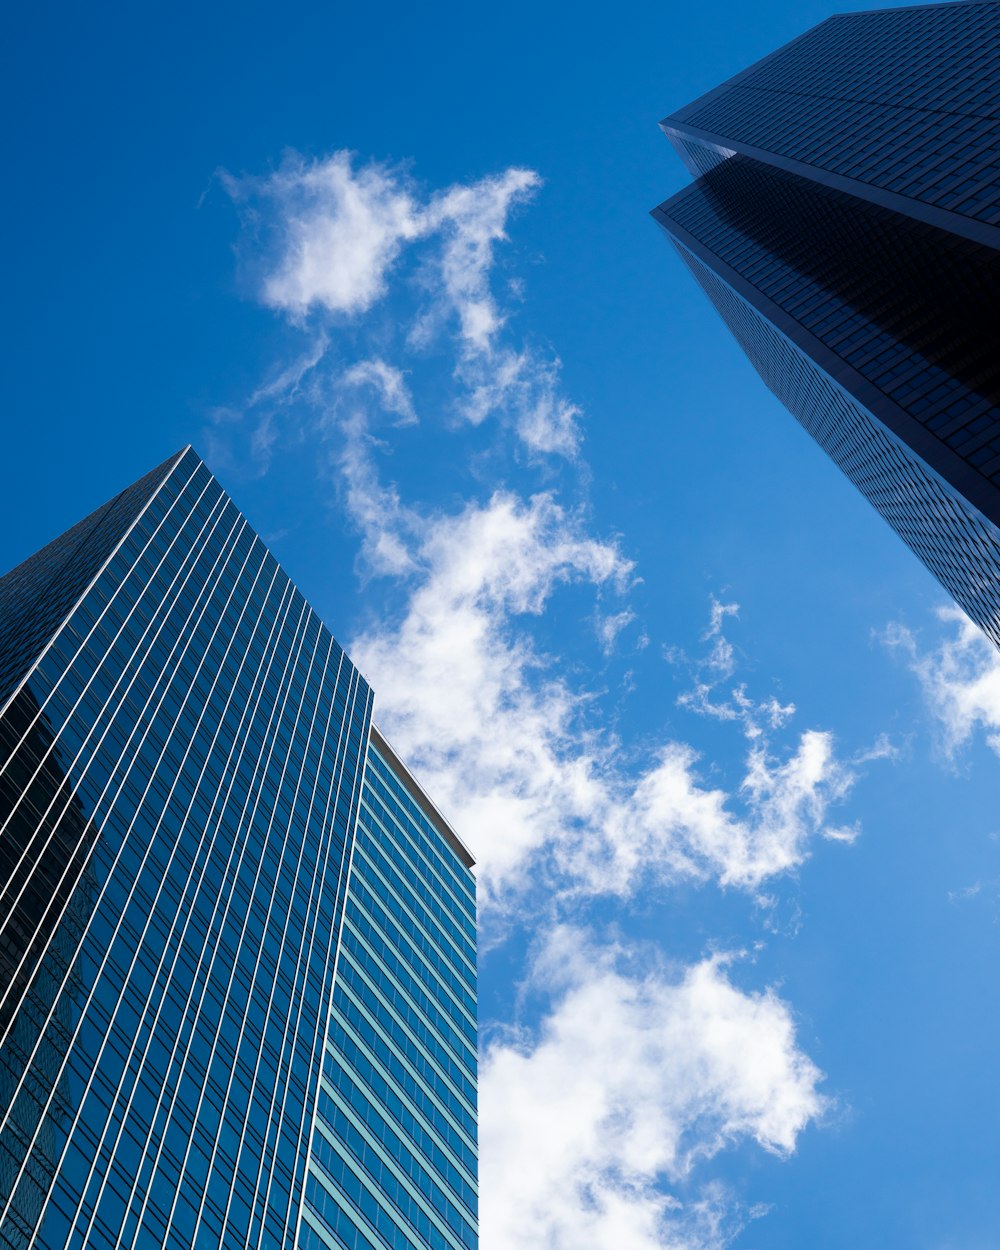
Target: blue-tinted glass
{"x": 959, "y": 545}
{"x": 901, "y": 101}
{"x": 181, "y": 746}
{"x": 393, "y": 1161}
{"x": 845, "y": 225}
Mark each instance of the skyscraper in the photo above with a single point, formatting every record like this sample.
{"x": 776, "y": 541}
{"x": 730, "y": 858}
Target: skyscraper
{"x": 237, "y": 941}
{"x": 845, "y": 223}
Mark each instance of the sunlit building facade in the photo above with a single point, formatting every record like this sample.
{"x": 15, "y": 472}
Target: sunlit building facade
{"x": 237, "y": 941}
{"x": 393, "y": 1160}
{"x": 845, "y": 222}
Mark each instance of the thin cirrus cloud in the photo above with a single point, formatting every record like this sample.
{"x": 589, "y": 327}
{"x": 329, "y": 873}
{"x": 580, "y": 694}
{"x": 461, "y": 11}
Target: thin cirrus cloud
{"x": 601, "y": 1113}
{"x": 710, "y": 693}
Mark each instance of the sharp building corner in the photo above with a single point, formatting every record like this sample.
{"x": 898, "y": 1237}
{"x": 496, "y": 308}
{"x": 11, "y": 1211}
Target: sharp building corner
{"x": 237, "y": 939}
{"x": 845, "y": 223}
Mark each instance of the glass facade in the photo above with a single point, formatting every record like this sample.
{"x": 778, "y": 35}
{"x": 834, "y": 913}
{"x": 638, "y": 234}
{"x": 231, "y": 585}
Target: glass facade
{"x": 887, "y": 310}
{"x": 898, "y": 105}
{"x": 956, "y": 543}
{"x": 182, "y": 769}
{"x": 393, "y": 1159}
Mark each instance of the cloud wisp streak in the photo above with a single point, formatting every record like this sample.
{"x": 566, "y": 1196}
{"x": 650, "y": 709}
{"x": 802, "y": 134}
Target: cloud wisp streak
{"x": 327, "y": 237}
{"x": 959, "y": 678}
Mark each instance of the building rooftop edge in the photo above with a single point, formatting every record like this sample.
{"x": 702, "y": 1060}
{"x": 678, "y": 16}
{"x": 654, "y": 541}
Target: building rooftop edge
{"x": 413, "y": 787}
{"x": 678, "y": 115}
{"x": 420, "y": 797}
{"x": 735, "y": 80}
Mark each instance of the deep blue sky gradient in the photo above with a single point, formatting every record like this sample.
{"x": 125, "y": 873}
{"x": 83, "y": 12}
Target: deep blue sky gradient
{"x": 129, "y": 318}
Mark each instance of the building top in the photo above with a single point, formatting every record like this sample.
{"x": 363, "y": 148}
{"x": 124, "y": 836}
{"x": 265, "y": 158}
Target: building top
{"x": 419, "y": 796}
{"x": 181, "y": 778}
{"x": 895, "y": 106}
{"x": 845, "y": 222}
{"x": 38, "y": 595}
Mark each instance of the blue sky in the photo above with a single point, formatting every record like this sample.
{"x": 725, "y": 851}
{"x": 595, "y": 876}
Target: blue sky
{"x": 391, "y": 271}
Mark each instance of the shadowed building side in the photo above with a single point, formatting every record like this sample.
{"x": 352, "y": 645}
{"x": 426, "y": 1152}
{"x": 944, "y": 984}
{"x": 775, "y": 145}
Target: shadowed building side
{"x": 46, "y": 898}
{"x": 894, "y": 106}
{"x": 870, "y": 318}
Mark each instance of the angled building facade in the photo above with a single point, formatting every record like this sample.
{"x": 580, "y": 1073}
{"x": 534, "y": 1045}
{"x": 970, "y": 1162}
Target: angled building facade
{"x": 845, "y": 222}
{"x": 393, "y": 1159}
{"x": 198, "y": 826}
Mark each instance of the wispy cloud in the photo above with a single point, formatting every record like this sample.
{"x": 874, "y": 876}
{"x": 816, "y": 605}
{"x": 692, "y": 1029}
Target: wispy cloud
{"x": 269, "y": 407}
{"x": 959, "y": 677}
{"x": 329, "y": 233}
{"x": 610, "y": 627}
{"x": 634, "y": 1079}
{"x": 524, "y": 387}
{"x": 325, "y": 237}
{"x": 715, "y": 669}
{"x": 388, "y": 383}
{"x": 516, "y": 753}
{"x": 471, "y": 220}
{"x": 512, "y": 754}
{"x": 386, "y": 526}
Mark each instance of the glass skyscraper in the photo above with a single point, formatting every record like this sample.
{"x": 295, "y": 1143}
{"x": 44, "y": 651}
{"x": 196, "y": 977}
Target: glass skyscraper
{"x": 237, "y": 941}
{"x": 845, "y": 222}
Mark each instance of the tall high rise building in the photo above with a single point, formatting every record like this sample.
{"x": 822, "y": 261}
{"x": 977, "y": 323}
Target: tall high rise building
{"x": 237, "y": 940}
{"x": 845, "y": 223}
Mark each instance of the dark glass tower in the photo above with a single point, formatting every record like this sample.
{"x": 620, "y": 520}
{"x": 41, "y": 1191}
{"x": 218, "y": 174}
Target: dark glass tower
{"x": 845, "y": 222}
{"x": 198, "y": 825}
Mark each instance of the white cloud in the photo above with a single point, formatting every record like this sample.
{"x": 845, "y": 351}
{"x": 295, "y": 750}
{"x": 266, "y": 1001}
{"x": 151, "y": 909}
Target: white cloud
{"x": 389, "y": 385}
{"x": 673, "y": 824}
{"x": 338, "y": 231}
{"x": 722, "y": 657}
{"x": 467, "y": 698}
{"x": 609, "y": 628}
{"x": 594, "y": 1123}
{"x": 287, "y": 383}
{"x": 524, "y": 386}
{"x": 631, "y": 1081}
{"x": 471, "y": 220}
{"x": 506, "y": 742}
{"x": 718, "y": 666}
{"x": 960, "y": 679}
{"x": 883, "y": 748}
{"x": 506, "y": 745}
{"x": 386, "y": 526}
